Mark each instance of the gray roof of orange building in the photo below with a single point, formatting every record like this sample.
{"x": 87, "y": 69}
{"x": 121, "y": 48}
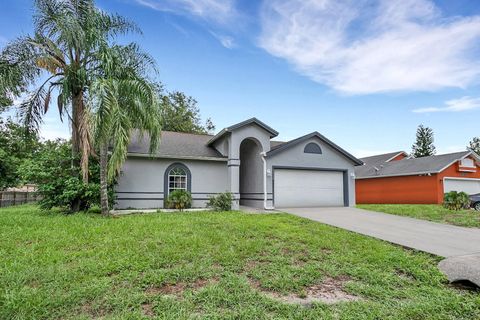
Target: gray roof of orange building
{"x": 377, "y": 166}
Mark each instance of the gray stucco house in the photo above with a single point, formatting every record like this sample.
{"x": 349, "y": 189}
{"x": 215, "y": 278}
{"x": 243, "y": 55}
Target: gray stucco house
{"x": 309, "y": 171}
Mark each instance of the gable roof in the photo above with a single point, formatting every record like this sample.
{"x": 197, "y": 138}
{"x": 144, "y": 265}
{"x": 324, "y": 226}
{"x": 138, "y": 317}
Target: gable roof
{"x": 381, "y": 158}
{"x": 374, "y": 167}
{"x": 272, "y": 132}
{"x": 316, "y": 134}
{"x": 175, "y": 145}
{"x": 275, "y": 144}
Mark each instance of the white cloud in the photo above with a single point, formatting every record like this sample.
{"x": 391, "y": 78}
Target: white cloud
{"x": 371, "y": 46}
{"x": 218, "y": 11}
{"x": 455, "y": 105}
{"x": 226, "y": 41}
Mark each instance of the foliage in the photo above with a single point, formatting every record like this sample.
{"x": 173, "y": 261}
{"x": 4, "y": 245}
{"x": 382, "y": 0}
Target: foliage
{"x": 59, "y": 184}
{"x": 430, "y": 212}
{"x": 454, "y": 200}
{"x": 179, "y": 199}
{"x": 180, "y": 113}
{"x": 16, "y": 147}
{"x": 124, "y": 100}
{"x": 66, "y": 51}
{"x": 221, "y": 201}
{"x": 11, "y": 82}
{"x": 215, "y": 265}
{"x": 94, "y": 209}
{"x": 474, "y": 145}
{"x": 423, "y": 146}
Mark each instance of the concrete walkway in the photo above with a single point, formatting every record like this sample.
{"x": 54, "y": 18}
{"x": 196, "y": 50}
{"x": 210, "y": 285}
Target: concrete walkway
{"x": 439, "y": 239}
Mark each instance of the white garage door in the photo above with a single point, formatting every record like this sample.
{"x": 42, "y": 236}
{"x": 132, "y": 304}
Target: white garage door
{"x": 470, "y": 186}
{"x": 308, "y": 188}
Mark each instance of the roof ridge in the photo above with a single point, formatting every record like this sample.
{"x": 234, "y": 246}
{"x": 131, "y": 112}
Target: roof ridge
{"x": 189, "y": 133}
{"x": 383, "y": 154}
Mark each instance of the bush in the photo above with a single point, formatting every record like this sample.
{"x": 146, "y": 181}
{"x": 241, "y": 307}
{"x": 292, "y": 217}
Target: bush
{"x": 454, "y": 200}
{"x": 58, "y": 183}
{"x": 95, "y": 209}
{"x": 221, "y": 202}
{"x": 179, "y": 199}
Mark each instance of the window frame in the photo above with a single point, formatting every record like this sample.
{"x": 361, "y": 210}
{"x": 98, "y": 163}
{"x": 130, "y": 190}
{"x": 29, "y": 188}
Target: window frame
{"x": 470, "y": 164}
{"x": 187, "y": 178}
{"x": 312, "y": 148}
{"x": 177, "y": 180}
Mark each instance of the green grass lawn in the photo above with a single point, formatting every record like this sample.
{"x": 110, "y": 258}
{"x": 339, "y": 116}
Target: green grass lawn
{"x": 210, "y": 265}
{"x": 431, "y": 212}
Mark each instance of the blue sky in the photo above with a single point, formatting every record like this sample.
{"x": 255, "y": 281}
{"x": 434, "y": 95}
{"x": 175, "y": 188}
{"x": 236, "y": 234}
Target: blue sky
{"x": 365, "y": 73}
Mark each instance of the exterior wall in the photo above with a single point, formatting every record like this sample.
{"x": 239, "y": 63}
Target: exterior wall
{"x": 222, "y": 146}
{"x": 141, "y": 183}
{"x": 401, "y": 190}
{"x": 453, "y": 172}
{"x": 408, "y": 189}
{"x": 251, "y": 174}
{"x": 295, "y": 157}
{"x": 236, "y": 138}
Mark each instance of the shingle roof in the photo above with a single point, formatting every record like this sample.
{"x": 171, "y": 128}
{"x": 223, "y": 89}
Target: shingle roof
{"x": 404, "y": 167}
{"x": 380, "y": 158}
{"x": 275, "y": 144}
{"x": 270, "y": 130}
{"x": 176, "y": 144}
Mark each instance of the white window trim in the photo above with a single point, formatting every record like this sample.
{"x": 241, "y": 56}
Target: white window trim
{"x": 184, "y": 175}
{"x": 471, "y": 163}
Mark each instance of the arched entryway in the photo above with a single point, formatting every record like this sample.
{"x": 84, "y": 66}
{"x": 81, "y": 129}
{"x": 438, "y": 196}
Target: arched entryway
{"x": 251, "y": 173}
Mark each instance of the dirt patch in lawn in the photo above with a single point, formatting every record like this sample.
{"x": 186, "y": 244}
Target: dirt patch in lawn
{"x": 329, "y": 291}
{"x": 93, "y": 312}
{"x": 405, "y": 275}
{"x": 147, "y": 310}
{"x": 178, "y": 288}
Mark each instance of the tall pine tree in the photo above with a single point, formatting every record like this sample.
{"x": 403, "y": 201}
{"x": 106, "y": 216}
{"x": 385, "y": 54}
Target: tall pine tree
{"x": 475, "y": 145}
{"x": 423, "y": 146}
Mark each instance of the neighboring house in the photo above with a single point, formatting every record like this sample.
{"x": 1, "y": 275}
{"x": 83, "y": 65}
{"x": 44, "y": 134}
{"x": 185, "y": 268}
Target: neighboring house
{"x": 395, "y": 178}
{"x": 242, "y": 159}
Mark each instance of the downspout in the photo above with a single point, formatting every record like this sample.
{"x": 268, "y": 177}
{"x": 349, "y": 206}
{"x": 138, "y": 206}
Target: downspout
{"x": 265, "y": 194}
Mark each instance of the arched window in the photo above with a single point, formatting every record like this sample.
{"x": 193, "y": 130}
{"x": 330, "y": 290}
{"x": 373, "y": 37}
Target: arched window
{"x": 177, "y": 177}
{"x": 312, "y": 148}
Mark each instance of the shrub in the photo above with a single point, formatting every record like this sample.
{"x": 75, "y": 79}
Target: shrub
{"x": 221, "y": 202}
{"x": 179, "y": 199}
{"x": 95, "y": 209}
{"x": 454, "y": 200}
{"x": 58, "y": 183}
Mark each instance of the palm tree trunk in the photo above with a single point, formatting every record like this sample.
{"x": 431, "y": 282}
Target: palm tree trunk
{"x": 77, "y": 106}
{"x": 80, "y": 136}
{"x": 103, "y": 178}
{"x": 77, "y": 110}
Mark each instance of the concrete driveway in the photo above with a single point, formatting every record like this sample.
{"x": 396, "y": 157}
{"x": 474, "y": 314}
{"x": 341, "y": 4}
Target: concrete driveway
{"x": 439, "y": 239}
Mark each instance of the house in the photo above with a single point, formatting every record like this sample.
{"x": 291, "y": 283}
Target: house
{"x": 396, "y": 178}
{"x": 242, "y": 159}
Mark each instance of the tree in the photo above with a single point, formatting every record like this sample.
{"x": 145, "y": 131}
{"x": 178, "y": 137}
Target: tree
{"x": 180, "y": 113}
{"x": 475, "y": 145}
{"x": 70, "y": 37}
{"x": 125, "y": 101}
{"x": 16, "y": 147}
{"x": 50, "y": 170}
{"x": 423, "y": 146}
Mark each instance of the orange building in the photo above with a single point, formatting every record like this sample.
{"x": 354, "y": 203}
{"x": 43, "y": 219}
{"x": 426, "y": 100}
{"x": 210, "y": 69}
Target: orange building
{"x": 396, "y": 178}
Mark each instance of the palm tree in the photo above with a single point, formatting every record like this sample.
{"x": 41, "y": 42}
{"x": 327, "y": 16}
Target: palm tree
{"x": 65, "y": 54}
{"x": 125, "y": 101}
